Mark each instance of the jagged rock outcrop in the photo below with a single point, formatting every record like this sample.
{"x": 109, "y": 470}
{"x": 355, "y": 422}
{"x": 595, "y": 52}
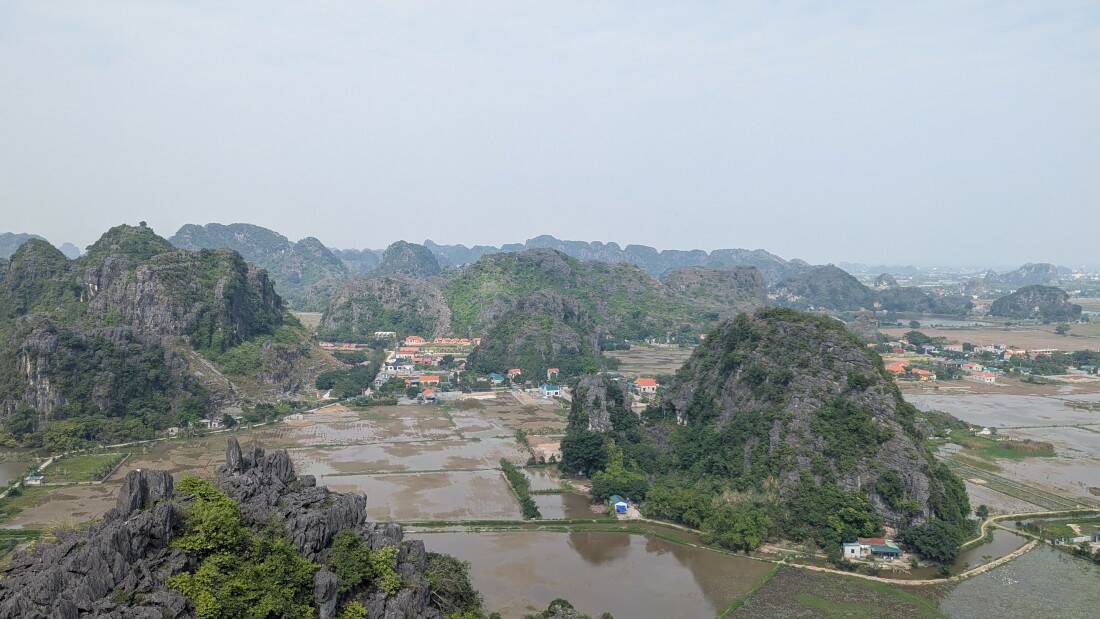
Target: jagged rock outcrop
{"x": 597, "y": 395}
{"x": 403, "y": 258}
{"x": 407, "y": 305}
{"x": 1036, "y": 302}
{"x": 724, "y": 292}
{"x": 913, "y": 299}
{"x": 120, "y": 567}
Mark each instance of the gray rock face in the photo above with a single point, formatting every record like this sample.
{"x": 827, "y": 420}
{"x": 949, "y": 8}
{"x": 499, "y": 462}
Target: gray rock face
{"x": 116, "y": 568}
{"x": 597, "y": 395}
{"x": 120, "y": 567}
{"x": 408, "y": 305}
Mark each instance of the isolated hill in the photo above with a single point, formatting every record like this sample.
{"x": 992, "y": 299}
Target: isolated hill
{"x": 408, "y": 305}
{"x": 914, "y": 299}
{"x": 1032, "y": 273}
{"x": 403, "y": 258}
{"x": 828, "y": 287}
{"x": 72, "y": 252}
{"x": 653, "y": 261}
{"x": 262, "y": 540}
{"x": 723, "y": 292}
{"x": 1047, "y": 303}
{"x": 885, "y": 281}
{"x": 137, "y": 335}
{"x": 786, "y": 407}
{"x": 303, "y": 272}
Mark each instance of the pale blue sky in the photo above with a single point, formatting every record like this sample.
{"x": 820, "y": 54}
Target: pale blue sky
{"x": 889, "y": 132}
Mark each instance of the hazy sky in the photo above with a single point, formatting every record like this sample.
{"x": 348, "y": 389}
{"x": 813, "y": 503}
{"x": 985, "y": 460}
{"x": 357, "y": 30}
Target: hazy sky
{"x": 921, "y": 132}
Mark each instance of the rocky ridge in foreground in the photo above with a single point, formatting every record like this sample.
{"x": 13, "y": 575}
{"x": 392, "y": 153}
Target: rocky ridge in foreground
{"x": 121, "y": 566}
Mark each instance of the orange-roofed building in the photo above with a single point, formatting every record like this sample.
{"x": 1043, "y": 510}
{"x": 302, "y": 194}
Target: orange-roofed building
{"x": 414, "y": 339}
{"x": 513, "y": 372}
{"x": 429, "y": 379}
{"x": 551, "y": 373}
{"x": 924, "y": 374}
{"x": 897, "y": 367}
{"x": 645, "y": 385}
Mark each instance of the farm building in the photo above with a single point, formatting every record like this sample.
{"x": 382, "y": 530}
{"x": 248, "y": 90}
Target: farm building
{"x": 618, "y": 503}
{"x": 550, "y": 390}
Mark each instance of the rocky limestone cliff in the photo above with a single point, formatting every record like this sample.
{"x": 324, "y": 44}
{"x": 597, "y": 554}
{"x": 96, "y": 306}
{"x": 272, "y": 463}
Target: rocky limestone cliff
{"x": 595, "y": 395}
{"x": 407, "y": 305}
{"x": 120, "y": 566}
{"x": 403, "y": 258}
{"x": 1036, "y": 302}
{"x": 827, "y": 287}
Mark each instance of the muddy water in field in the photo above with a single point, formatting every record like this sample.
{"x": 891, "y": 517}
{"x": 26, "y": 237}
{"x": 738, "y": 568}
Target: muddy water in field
{"x": 13, "y": 465}
{"x": 448, "y": 454}
{"x": 459, "y": 495}
{"x": 567, "y": 505}
{"x": 1043, "y": 583}
{"x": 626, "y": 575}
{"x": 542, "y": 478}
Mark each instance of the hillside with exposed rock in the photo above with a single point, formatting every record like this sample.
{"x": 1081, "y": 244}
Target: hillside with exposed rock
{"x": 1046, "y": 303}
{"x": 720, "y": 292}
{"x": 361, "y": 306}
{"x": 1030, "y": 274}
{"x": 303, "y": 271}
{"x": 790, "y": 408}
{"x": 275, "y": 539}
{"x": 136, "y": 335}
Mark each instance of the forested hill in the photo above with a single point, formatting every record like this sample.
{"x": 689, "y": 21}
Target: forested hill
{"x": 304, "y": 272}
{"x": 791, "y": 416}
{"x": 135, "y": 336}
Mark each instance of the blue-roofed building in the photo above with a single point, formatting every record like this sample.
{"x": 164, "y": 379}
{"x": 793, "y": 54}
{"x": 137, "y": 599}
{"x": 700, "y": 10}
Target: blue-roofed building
{"x": 550, "y": 390}
{"x": 496, "y": 378}
{"x": 618, "y": 503}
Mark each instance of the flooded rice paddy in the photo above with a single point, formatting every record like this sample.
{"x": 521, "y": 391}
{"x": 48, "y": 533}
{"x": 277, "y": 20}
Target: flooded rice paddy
{"x": 626, "y": 575}
{"x": 1042, "y": 583}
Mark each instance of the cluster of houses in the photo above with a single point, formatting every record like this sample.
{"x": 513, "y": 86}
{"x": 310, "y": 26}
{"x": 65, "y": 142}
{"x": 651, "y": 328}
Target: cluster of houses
{"x": 960, "y": 357}
{"x": 871, "y": 547}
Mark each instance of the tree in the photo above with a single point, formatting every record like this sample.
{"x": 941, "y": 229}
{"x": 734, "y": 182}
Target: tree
{"x": 616, "y": 479}
{"x": 452, "y": 591}
{"x": 982, "y": 512}
{"x": 935, "y": 540}
{"x": 1062, "y": 329}
{"x": 229, "y": 421}
{"x": 914, "y": 324}
{"x": 737, "y": 527}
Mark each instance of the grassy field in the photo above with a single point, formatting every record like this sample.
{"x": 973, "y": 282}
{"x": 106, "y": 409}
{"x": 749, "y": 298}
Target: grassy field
{"x": 309, "y": 320}
{"x": 1082, "y": 336}
{"x": 986, "y": 447}
{"x": 84, "y": 467}
{"x": 22, "y": 499}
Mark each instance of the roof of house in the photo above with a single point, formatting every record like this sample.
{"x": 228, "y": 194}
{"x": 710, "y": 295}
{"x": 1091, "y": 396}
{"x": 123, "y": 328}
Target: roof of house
{"x": 867, "y": 541}
{"x": 616, "y": 499}
{"x": 885, "y": 549}
{"x": 897, "y": 367}
{"x": 920, "y": 372}
{"x": 551, "y": 369}
{"x": 429, "y": 378}
{"x": 645, "y": 382}
{"x": 550, "y": 387}
{"x": 427, "y": 393}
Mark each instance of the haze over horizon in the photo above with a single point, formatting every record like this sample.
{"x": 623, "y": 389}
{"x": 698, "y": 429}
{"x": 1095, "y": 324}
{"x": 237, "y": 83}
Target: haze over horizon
{"x": 841, "y": 134}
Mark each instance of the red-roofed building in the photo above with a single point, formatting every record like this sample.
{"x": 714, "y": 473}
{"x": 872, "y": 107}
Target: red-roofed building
{"x": 514, "y": 372}
{"x": 429, "y": 379}
{"x": 897, "y": 367}
{"x": 414, "y": 340}
{"x": 923, "y": 374}
{"x": 645, "y": 385}
{"x": 551, "y": 373}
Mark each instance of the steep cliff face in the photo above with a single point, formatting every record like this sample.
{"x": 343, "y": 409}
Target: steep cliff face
{"x": 304, "y": 272}
{"x": 796, "y": 397}
{"x": 407, "y": 305}
{"x": 403, "y": 258}
{"x": 115, "y": 332}
{"x": 1036, "y": 302}
{"x": 724, "y": 292}
{"x": 124, "y": 566}
{"x": 595, "y": 396}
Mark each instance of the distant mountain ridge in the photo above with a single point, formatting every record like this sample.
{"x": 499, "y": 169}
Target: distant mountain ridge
{"x": 10, "y": 241}
{"x": 653, "y": 261}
